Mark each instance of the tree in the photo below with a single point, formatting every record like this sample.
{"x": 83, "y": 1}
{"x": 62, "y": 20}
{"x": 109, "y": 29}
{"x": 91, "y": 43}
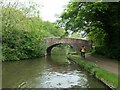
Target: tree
{"x": 100, "y": 22}
{"x": 23, "y": 32}
{"x": 53, "y": 29}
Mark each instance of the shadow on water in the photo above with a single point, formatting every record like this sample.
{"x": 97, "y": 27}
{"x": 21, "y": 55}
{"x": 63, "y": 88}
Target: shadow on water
{"x": 54, "y": 71}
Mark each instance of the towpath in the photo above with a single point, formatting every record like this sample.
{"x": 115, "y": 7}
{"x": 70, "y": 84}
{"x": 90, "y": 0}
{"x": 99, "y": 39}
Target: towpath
{"x": 105, "y": 63}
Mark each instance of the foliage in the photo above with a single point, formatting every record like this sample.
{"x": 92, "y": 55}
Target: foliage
{"x": 19, "y": 41}
{"x": 64, "y": 49}
{"x": 52, "y": 29}
{"x": 23, "y": 32}
{"x": 100, "y": 22}
{"x": 75, "y": 35}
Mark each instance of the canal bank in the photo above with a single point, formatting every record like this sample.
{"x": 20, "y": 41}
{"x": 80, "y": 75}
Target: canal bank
{"x": 104, "y": 76}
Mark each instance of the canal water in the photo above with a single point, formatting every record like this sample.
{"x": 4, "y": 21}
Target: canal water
{"x": 47, "y": 72}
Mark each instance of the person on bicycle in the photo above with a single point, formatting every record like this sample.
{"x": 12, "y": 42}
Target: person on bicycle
{"x": 82, "y": 50}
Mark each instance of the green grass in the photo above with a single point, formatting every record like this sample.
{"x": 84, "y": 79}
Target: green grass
{"x": 110, "y": 78}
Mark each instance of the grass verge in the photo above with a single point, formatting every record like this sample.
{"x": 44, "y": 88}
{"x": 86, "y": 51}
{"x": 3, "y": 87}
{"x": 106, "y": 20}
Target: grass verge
{"x": 108, "y": 78}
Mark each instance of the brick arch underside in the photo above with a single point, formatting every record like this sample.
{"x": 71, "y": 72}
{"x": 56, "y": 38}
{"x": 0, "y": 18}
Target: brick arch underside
{"x": 48, "y": 50}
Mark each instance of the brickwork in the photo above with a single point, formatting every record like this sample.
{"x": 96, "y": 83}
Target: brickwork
{"x": 73, "y": 42}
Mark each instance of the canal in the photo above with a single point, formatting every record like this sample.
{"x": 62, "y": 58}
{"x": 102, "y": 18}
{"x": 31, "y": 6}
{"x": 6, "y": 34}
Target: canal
{"x": 54, "y": 71}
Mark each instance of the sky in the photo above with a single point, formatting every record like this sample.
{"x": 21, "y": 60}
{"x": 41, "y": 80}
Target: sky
{"x": 51, "y": 8}
{"x": 48, "y": 8}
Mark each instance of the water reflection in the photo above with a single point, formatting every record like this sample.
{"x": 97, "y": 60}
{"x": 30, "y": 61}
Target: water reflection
{"x": 49, "y": 72}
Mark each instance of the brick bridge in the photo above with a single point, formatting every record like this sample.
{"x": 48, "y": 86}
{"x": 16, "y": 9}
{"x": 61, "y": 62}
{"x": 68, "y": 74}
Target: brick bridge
{"x": 75, "y": 43}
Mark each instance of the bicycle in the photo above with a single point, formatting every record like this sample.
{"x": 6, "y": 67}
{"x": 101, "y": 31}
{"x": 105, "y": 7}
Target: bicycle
{"x": 83, "y": 55}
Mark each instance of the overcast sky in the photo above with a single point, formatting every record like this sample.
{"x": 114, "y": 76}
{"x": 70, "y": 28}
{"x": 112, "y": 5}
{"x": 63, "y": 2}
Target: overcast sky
{"x": 51, "y": 8}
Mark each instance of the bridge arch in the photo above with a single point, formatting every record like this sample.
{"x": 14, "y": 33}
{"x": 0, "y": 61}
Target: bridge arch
{"x": 49, "y": 49}
{"x": 76, "y": 43}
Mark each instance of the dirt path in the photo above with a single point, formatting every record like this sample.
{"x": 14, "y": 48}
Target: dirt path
{"x": 105, "y": 63}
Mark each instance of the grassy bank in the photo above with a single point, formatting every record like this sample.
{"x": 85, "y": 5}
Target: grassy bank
{"x": 108, "y": 78}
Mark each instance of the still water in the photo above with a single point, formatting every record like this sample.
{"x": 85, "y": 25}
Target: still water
{"x": 47, "y": 72}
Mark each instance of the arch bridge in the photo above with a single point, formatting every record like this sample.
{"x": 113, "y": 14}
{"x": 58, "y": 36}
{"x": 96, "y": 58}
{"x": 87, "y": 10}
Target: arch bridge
{"x": 75, "y": 43}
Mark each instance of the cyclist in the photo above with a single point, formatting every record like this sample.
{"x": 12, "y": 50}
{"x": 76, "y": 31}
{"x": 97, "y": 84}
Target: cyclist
{"x": 82, "y": 50}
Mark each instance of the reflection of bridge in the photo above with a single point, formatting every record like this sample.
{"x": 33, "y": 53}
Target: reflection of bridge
{"x": 73, "y": 42}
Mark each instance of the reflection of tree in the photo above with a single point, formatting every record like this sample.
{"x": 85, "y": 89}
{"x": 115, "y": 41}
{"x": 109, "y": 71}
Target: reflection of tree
{"x": 15, "y": 73}
{"x": 59, "y": 62}
{"x": 60, "y": 48}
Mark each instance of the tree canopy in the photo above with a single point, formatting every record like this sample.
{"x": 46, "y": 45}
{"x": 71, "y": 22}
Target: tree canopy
{"x": 23, "y": 31}
{"x": 99, "y": 21}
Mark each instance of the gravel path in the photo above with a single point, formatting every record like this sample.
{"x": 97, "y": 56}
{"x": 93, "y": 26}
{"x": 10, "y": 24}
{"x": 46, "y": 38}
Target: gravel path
{"x": 105, "y": 63}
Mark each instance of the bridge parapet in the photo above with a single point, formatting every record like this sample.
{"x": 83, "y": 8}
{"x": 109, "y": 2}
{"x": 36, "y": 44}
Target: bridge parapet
{"x": 74, "y": 42}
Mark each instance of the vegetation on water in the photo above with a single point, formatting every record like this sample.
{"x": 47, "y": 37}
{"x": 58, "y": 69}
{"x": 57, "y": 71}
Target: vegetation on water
{"x": 23, "y": 31}
{"x": 98, "y": 21}
{"x": 109, "y": 78}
